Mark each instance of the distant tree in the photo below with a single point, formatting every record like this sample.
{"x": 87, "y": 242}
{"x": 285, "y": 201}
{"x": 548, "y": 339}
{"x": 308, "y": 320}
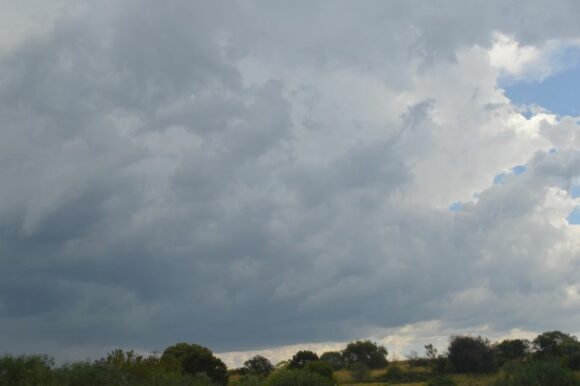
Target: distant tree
{"x": 334, "y": 358}
{"x": 258, "y": 365}
{"x": 26, "y": 370}
{"x": 431, "y": 352}
{"x": 511, "y": 349}
{"x": 301, "y": 358}
{"x": 472, "y": 354}
{"x": 283, "y": 364}
{"x": 366, "y": 352}
{"x": 194, "y": 359}
{"x": 552, "y": 344}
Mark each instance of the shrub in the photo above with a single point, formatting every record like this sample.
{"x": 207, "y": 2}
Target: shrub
{"x": 251, "y": 380}
{"x": 26, "y": 370}
{"x": 321, "y": 368}
{"x": 538, "y": 373}
{"x": 395, "y": 374}
{"x": 360, "y": 372}
{"x": 472, "y": 354}
{"x": 334, "y": 358}
{"x": 441, "y": 380}
{"x": 297, "y": 378}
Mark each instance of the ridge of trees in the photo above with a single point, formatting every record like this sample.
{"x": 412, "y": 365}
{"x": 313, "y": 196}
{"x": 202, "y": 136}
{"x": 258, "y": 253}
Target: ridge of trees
{"x": 551, "y": 355}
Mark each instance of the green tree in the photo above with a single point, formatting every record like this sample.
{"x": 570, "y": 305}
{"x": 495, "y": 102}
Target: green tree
{"x": 301, "y": 358}
{"x": 472, "y": 354}
{"x": 194, "y": 359}
{"x": 258, "y": 365}
{"x": 334, "y": 358}
{"x": 366, "y": 352}
{"x": 511, "y": 349}
{"x": 26, "y": 370}
{"x": 554, "y": 344}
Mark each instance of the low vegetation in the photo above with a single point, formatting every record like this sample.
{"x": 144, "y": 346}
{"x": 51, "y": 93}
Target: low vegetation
{"x": 551, "y": 359}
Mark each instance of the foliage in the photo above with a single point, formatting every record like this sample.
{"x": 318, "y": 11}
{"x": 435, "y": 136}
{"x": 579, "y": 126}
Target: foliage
{"x": 194, "y": 359}
{"x": 472, "y": 354}
{"x": 297, "y": 378}
{"x": 251, "y": 380}
{"x": 319, "y": 367}
{"x": 553, "y": 344}
{"x": 538, "y": 373}
{"x": 431, "y": 352}
{"x": 366, "y": 352}
{"x": 31, "y": 370}
{"x": 511, "y": 349}
{"x": 334, "y": 358}
{"x": 441, "y": 380}
{"x": 360, "y": 372}
{"x": 258, "y": 365}
{"x": 395, "y": 374}
{"x": 301, "y": 358}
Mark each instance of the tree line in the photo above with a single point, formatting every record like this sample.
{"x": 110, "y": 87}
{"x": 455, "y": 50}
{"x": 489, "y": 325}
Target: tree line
{"x": 547, "y": 360}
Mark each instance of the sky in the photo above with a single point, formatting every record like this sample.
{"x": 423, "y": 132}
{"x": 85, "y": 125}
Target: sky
{"x": 263, "y": 176}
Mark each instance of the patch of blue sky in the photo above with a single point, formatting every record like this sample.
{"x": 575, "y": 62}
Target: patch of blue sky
{"x": 516, "y": 170}
{"x": 575, "y": 191}
{"x": 574, "y": 217}
{"x": 456, "y": 206}
{"x": 559, "y": 93}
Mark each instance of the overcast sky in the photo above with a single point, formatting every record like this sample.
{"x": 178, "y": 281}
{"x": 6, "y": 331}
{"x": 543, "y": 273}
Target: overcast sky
{"x": 268, "y": 175}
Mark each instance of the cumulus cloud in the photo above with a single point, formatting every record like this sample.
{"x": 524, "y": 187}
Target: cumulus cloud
{"x": 251, "y": 175}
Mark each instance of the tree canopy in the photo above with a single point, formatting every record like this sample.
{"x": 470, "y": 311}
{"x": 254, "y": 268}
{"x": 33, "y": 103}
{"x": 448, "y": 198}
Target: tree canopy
{"x": 366, "y": 352}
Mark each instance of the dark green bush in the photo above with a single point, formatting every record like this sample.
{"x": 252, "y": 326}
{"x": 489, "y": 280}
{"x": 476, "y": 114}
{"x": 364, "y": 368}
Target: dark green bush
{"x": 395, "y": 374}
{"x": 538, "y": 373}
{"x": 26, "y": 370}
{"x": 297, "y": 378}
{"x": 321, "y": 368}
{"x": 473, "y": 355}
{"x": 360, "y": 372}
{"x": 441, "y": 380}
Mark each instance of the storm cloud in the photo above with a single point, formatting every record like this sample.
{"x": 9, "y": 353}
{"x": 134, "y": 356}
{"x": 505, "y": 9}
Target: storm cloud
{"x": 254, "y": 174}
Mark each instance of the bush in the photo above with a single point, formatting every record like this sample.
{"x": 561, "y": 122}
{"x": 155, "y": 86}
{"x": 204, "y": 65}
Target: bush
{"x": 538, "y": 373}
{"x": 321, "y": 368}
{"x": 360, "y": 372}
{"x": 395, "y": 374}
{"x": 25, "y": 370}
{"x": 251, "y": 380}
{"x": 472, "y": 355}
{"x": 297, "y": 378}
{"x": 334, "y": 358}
{"x": 442, "y": 380}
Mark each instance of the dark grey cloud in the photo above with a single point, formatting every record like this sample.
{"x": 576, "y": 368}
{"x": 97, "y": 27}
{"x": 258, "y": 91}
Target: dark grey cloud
{"x": 251, "y": 174}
